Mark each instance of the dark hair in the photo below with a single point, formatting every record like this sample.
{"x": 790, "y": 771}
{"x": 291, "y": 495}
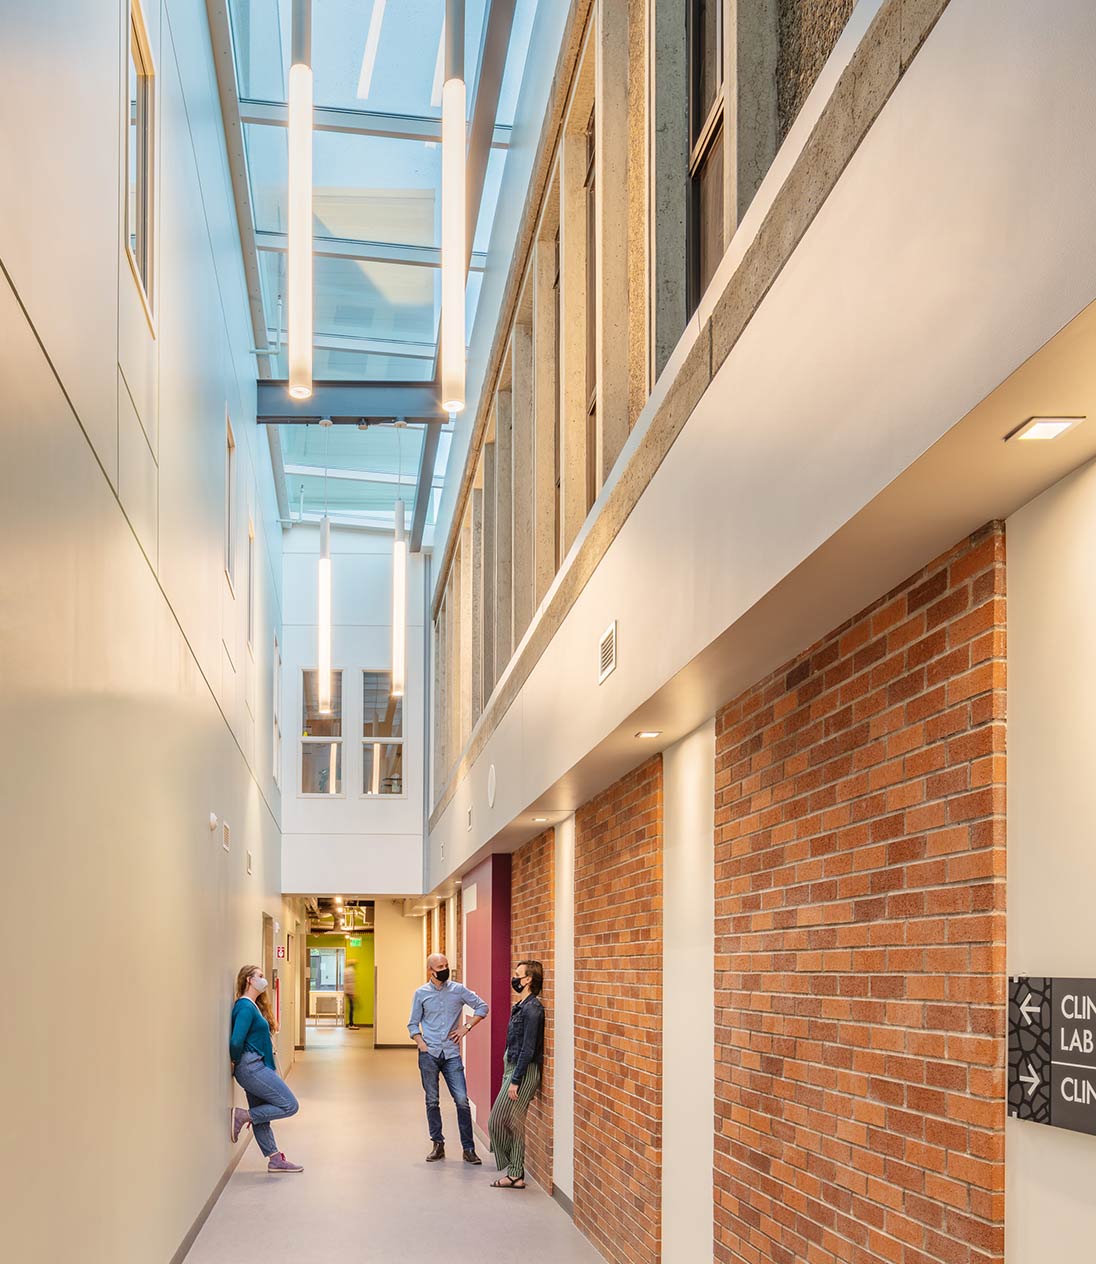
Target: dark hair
{"x": 536, "y": 972}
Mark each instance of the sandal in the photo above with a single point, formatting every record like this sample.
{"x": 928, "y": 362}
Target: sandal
{"x": 507, "y": 1182}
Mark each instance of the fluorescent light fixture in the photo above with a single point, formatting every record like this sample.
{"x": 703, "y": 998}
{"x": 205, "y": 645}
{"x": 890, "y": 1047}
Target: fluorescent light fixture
{"x": 1044, "y": 427}
{"x": 323, "y": 619}
{"x": 376, "y": 768}
{"x": 649, "y": 733}
{"x": 539, "y": 820}
{"x": 399, "y": 605}
{"x": 332, "y": 768}
{"x": 369, "y": 56}
{"x": 299, "y": 264}
{"x": 338, "y": 899}
{"x": 454, "y": 242}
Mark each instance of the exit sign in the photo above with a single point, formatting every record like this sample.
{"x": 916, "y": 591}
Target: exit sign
{"x": 355, "y": 943}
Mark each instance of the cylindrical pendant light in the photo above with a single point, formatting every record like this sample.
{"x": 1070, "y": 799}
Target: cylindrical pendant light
{"x": 454, "y": 243}
{"x": 399, "y": 605}
{"x": 323, "y": 619}
{"x": 332, "y": 775}
{"x": 299, "y": 267}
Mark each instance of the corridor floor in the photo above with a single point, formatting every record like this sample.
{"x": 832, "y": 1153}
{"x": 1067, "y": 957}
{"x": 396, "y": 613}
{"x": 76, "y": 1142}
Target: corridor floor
{"x": 366, "y": 1193}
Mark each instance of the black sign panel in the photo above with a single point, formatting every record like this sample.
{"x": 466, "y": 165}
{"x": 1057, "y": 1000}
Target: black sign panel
{"x": 1052, "y": 1052}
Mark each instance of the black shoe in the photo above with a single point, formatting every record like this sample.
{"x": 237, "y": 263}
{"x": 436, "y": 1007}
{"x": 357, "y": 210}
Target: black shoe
{"x": 438, "y": 1152}
{"x": 470, "y": 1156}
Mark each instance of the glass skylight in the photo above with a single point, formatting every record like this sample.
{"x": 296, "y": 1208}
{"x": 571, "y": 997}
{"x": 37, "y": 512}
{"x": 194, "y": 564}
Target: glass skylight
{"x": 377, "y": 211}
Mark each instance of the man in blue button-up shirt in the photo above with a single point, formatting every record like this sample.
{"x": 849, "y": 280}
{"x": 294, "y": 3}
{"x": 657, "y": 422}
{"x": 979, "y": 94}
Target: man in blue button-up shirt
{"x": 436, "y": 1028}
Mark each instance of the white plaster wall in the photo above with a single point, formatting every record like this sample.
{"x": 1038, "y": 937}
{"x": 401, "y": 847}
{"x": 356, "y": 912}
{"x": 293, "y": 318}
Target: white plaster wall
{"x": 688, "y": 1007}
{"x": 131, "y": 707}
{"x": 897, "y": 313}
{"x": 350, "y": 842}
{"x": 563, "y": 1016}
{"x": 400, "y": 944}
{"x": 1050, "y": 1173}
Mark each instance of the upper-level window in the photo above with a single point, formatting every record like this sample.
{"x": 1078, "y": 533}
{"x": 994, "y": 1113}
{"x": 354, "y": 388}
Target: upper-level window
{"x": 277, "y": 714}
{"x": 591, "y": 311}
{"x": 321, "y": 737}
{"x": 140, "y": 163}
{"x": 230, "y": 502}
{"x": 556, "y": 444}
{"x": 706, "y": 108}
{"x": 251, "y": 585}
{"x": 382, "y": 735}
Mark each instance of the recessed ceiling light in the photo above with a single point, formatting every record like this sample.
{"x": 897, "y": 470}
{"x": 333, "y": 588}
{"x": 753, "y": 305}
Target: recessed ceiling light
{"x": 1044, "y": 427}
{"x": 649, "y": 733}
{"x": 539, "y": 820}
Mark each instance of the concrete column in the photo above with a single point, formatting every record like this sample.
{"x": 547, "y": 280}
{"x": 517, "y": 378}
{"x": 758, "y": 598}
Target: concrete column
{"x": 441, "y": 704}
{"x": 452, "y": 641}
{"x": 476, "y": 560}
{"x": 545, "y": 386}
{"x": 668, "y": 60}
{"x": 572, "y": 350}
{"x": 611, "y": 301}
{"x": 489, "y": 518}
{"x": 504, "y": 530}
{"x": 466, "y": 624}
{"x": 522, "y": 542}
{"x": 688, "y": 1014}
{"x": 750, "y": 50}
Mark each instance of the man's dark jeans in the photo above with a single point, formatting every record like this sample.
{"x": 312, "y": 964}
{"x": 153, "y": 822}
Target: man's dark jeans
{"x": 453, "y": 1071}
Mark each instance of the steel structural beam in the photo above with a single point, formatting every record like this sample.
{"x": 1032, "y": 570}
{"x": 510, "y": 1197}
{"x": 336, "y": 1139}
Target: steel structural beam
{"x": 427, "y": 460}
{"x": 220, "y": 30}
{"x": 347, "y": 403}
{"x": 224, "y": 62}
{"x": 496, "y": 43}
{"x": 361, "y": 122}
{"x": 367, "y": 251}
{"x": 369, "y": 346}
{"x": 350, "y": 476}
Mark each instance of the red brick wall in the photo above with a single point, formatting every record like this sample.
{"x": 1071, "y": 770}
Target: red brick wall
{"x": 532, "y": 937}
{"x": 618, "y": 1017}
{"x": 860, "y": 861}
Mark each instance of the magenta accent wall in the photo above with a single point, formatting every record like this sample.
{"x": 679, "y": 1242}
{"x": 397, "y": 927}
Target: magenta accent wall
{"x": 487, "y": 972}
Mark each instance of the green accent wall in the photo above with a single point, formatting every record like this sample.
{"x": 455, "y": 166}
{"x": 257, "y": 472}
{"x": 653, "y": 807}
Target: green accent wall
{"x": 362, "y": 961}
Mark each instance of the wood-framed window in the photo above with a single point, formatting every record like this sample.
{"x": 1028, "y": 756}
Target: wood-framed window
{"x": 140, "y": 151}
{"x": 382, "y": 736}
{"x": 706, "y": 134}
{"x": 321, "y": 737}
{"x": 591, "y": 310}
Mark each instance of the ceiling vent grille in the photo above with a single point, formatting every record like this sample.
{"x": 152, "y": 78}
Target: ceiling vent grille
{"x": 226, "y": 836}
{"x": 607, "y": 652}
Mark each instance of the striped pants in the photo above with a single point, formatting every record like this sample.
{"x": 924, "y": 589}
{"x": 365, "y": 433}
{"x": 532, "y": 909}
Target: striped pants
{"x": 507, "y": 1122}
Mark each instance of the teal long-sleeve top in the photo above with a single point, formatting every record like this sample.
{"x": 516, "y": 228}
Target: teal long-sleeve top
{"x": 250, "y": 1030}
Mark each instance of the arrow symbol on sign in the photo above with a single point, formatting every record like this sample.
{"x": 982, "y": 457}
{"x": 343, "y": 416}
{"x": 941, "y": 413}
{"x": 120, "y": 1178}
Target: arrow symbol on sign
{"x": 1030, "y": 1079}
{"x": 1030, "y": 1008}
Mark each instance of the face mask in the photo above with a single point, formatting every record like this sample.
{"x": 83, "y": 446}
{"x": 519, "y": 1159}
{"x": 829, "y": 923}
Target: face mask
{"x": 442, "y": 976}
{"x": 517, "y": 984}
{"x": 259, "y": 985}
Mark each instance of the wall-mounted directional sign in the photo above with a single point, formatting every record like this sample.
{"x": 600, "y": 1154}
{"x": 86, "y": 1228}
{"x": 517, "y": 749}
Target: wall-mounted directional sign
{"x": 1052, "y": 1052}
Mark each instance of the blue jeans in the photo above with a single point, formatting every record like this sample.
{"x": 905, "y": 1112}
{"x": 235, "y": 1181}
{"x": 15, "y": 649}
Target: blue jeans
{"x": 268, "y": 1095}
{"x": 453, "y": 1071}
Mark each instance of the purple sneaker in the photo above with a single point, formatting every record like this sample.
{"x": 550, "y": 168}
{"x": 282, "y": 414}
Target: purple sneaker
{"x": 279, "y": 1163}
{"x": 240, "y": 1120}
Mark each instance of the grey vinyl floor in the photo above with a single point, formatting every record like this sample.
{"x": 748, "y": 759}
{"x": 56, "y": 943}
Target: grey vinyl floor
{"x": 366, "y": 1193}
